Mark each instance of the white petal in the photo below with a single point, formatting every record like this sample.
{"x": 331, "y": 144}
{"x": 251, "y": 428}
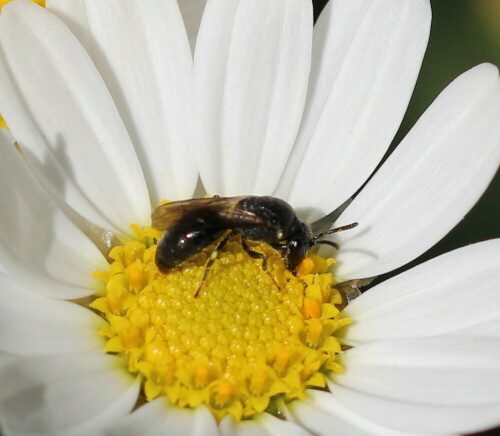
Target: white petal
{"x": 249, "y": 53}
{"x": 159, "y": 418}
{"x": 62, "y": 115}
{"x": 435, "y": 385}
{"x": 74, "y": 394}
{"x": 429, "y": 183}
{"x": 192, "y": 11}
{"x": 31, "y": 324}
{"x": 366, "y": 58}
{"x": 99, "y": 424}
{"x": 279, "y": 427}
{"x": 323, "y": 414}
{"x": 141, "y": 49}
{"x": 457, "y": 293}
{"x": 263, "y": 424}
{"x": 244, "y": 428}
{"x": 458, "y": 371}
{"x": 39, "y": 245}
{"x": 6, "y": 359}
{"x": 421, "y": 419}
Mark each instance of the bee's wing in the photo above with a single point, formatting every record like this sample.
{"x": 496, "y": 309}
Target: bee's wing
{"x": 167, "y": 214}
{"x": 246, "y": 218}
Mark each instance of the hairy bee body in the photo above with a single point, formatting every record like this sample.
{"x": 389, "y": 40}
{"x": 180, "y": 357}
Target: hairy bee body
{"x": 191, "y": 225}
{"x": 194, "y": 224}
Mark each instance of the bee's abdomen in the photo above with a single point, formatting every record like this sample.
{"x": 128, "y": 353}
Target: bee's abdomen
{"x": 196, "y": 230}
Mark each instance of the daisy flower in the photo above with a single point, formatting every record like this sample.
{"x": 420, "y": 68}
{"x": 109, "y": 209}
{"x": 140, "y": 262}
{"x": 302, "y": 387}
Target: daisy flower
{"x": 110, "y": 112}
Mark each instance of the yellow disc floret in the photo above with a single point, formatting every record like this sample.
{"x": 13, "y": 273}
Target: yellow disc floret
{"x": 251, "y": 334}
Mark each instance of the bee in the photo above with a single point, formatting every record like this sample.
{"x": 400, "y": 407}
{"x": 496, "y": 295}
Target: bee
{"x": 191, "y": 225}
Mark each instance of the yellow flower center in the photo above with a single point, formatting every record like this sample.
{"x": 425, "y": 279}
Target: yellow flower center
{"x": 251, "y": 335}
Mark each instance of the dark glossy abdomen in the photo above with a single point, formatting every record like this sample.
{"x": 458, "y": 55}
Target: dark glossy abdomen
{"x": 197, "y": 229}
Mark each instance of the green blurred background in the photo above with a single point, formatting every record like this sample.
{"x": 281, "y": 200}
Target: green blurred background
{"x": 464, "y": 33}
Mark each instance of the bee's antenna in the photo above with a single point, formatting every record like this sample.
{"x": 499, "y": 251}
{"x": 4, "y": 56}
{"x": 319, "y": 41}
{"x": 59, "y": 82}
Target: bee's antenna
{"x": 331, "y": 243}
{"x": 335, "y": 230}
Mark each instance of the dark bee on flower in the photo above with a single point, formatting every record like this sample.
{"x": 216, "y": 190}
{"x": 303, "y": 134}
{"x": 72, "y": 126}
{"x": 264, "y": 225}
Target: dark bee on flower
{"x": 191, "y": 225}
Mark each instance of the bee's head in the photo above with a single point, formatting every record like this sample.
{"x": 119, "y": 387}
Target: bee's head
{"x": 302, "y": 239}
{"x": 297, "y": 246}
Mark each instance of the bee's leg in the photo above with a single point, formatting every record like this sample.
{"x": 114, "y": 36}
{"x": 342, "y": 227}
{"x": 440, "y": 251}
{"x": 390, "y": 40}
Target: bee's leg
{"x": 283, "y": 249}
{"x": 213, "y": 257}
{"x": 256, "y": 255}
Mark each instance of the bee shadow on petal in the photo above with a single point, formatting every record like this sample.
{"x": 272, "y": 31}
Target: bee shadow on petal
{"x": 32, "y": 213}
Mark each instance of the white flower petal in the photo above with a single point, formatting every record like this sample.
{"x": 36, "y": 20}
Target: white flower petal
{"x": 457, "y": 293}
{"x": 61, "y": 113}
{"x": 278, "y": 427}
{"x": 6, "y": 359}
{"x": 141, "y": 49}
{"x": 366, "y": 58}
{"x": 248, "y": 53}
{"x": 421, "y": 419}
{"x": 244, "y": 428}
{"x": 159, "y": 418}
{"x": 192, "y": 11}
{"x": 228, "y": 426}
{"x": 323, "y": 414}
{"x": 39, "y": 245}
{"x": 73, "y": 394}
{"x": 263, "y": 424}
{"x": 458, "y": 371}
{"x": 429, "y": 183}
{"x": 99, "y": 424}
{"x": 434, "y": 385}
{"x": 38, "y": 282}
{"x": 31, "y": 324}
